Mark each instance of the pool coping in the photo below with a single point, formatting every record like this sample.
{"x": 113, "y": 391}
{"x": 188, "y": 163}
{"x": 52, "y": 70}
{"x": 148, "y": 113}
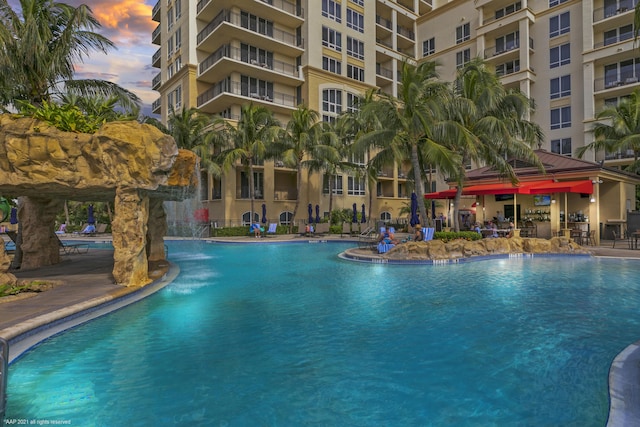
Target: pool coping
{"x": 26, "y": 335}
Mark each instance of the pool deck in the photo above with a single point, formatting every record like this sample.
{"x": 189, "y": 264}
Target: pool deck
{"x": 87, "y": 290}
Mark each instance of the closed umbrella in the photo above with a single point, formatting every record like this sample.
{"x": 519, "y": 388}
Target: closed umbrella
{"x": 91, "y": 219}
{"x": 264, "y": 213}
{"x": 310, "y": 209}
{"x": 355, "y": 213}
{"x": 14, "y": 216}
{"x": 317, "y": 214}
{"x": 364, "y": 217}
{"x": 414, "y": 210}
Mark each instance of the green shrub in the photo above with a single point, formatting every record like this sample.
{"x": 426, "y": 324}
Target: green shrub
{"x": 447, "y": 236}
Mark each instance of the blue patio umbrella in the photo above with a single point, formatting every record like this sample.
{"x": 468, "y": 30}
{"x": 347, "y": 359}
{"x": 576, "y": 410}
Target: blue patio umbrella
{"x": 355, "y": 213}
{"x": 310, "y": 209}
{"x": 433, "y": 209}
{"x": 364, "y": 217}
{"x": 14, "y": 216}
{"x": 414, "y": 210}
{"x": 317, "y": 214}
{"x": 264, "y": 213}
{"x": 91, "y": 219}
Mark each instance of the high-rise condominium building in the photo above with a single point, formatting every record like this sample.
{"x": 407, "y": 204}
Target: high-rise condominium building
{"x": 571, "y": 57}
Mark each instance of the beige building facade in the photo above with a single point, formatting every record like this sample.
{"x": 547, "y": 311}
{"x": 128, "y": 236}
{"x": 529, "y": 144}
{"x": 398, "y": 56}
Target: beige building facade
{"x": 571, "y": 57}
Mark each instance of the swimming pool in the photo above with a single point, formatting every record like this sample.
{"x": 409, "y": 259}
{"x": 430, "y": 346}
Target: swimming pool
{"x": 288, "y": 334}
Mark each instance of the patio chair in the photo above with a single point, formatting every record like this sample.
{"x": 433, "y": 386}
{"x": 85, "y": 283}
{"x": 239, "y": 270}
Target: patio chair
{"x": 617, "y": 237}
{"x": 272, "y": 229}
{"x": 427, "y": 233}
{"x": 72, "y": 248}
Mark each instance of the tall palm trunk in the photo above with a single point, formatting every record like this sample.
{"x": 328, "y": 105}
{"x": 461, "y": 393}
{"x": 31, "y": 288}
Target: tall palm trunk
{"x": 298, "y": 190}
{"x": 251, "y": 191}
{"x": 417, "y": 177}
{"x": 330, "y": 197}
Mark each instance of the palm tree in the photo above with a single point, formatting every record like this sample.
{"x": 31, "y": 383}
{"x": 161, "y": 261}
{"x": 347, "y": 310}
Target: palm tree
{"x": 39, "y": 47}
{"x": 403, "y": 125}
{"x": 619, "y": 130}
{"x": 302, "y": 141}
{"x": 193, "y": 131}
{"x": 485, "y": 123}
{"x": 247, "y": 143}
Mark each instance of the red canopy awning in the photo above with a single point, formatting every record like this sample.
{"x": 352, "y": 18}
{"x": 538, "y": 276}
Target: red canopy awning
{"x": 531, "y": 187}
{"x": 583, "y": 186}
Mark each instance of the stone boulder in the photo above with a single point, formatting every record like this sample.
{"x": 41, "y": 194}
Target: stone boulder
{"x": 461, "y": 248}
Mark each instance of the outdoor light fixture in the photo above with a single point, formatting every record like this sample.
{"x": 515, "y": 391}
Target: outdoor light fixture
{"x": 553, "y": 201}
{"x": 593, "y": 200}
{"x": 596, "y": 181}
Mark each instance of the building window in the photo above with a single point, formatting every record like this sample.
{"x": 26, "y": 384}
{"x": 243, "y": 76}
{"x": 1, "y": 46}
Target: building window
{"x": 353, "y": 101}
{"x": 332, "y": 65}
{"x": 170, "y": 101}
{"x": 170, "y": 70}
{"x": 285, "y": 218}
{"x": 178, "y": 96}
{"x": 336, "y": 184}
{"x": 559, "y": 24}
{"x": 354, "y": 72}
{"x": 216, "y": 189}
{"x": 356, "y": 186}
{"x": 178, "y": 8}
{"x": 170, "y": 18}
{"x": 560, "y": 55}
{"x": 385, "y": 216}
{"x": 257, "y": 24}
{"x": 463, "y": 33}
{"x": 258, "y": 185}
{"x": 561, "y": 117}
{"x": 508, "y": 67}
{"x": 508, "y": 42}
{"x": 561, "y": 146}
{"x": 178, "y": 63}
{"x": 561, "y": 86}
{"x": 331, "y": 10}
{"x": 256, "y": 88}
{"x": 463, "y": 58}
{"x": 170, "y": 47}
{"x": 355, "y": 48}
{"x": 508, "y": 10}
{"x": 429, "y": 46}
{"x": 355, "y": 20}
{"x": 553, "y": 3}
{"x": 178, "y": 38}
{"x": 331, "y": 103}
{"x": 256, "y": 56}
{"x": 618, "y": 35}
{"x": 331, "y": 38}
{"x": 246, "y": 218}
{"x": 358, "y": 2}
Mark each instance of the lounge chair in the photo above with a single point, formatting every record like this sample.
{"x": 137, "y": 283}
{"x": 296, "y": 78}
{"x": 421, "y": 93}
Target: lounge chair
{"x": 272, "y": 229}
{"x": 322, "y": 228}
{"x": 384, "y": 247}
{"x": 427, "y": 233}
{"x": 72, "y": 248}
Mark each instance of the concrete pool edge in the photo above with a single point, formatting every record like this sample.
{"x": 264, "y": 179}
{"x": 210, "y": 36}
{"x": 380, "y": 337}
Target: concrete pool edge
{"x": 25, "y": 335}
{"x": 624, "y": 389}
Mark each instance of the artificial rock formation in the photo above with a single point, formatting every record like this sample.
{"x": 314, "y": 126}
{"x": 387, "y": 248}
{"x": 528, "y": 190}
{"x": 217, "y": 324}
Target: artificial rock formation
{"x": 460, "y": 248}
{"x": 132, "y": 165}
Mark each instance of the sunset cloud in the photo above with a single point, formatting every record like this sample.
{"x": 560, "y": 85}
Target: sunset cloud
{"x": 128, "y": 24}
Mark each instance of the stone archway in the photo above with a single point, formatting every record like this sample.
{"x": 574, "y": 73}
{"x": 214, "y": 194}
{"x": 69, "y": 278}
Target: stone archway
{"x": 134, "y": 166}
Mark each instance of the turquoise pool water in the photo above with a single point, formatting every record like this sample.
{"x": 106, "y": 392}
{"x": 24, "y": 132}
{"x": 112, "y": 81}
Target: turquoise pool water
{"x": 288, "y": 335}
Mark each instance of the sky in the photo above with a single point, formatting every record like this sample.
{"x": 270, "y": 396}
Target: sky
{"x": 128, "y": 24}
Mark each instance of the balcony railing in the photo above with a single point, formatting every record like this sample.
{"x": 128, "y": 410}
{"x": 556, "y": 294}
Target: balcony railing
{"x": 236, "y": 19}
{"x": 406, "y": 32}
{"x": 614, "y": 82}
{"x": 384, "y": 22}
{"x": 613, "y": 40}
{"x": 155, "y": 105}
{"x": 238, "y": 88}
{"x": 384, "y": 72}
{"x": 201, "y": 4}
{"x": 156, "y": 56}
{"x": 236, "y": 53}
{"x": 155, "y": 12}
{"x": 494, "y": 51}
{"x": 157, "y": 80}
{"x": 155, "y": 34}
{"x": 627, "y": 154}
{"x": 286, "y": 6}
{"x": 386, "y": 43}
{"x": 613, "y": 10}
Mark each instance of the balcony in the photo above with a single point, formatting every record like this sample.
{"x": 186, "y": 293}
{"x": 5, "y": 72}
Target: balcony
{"x": 155, "y": 36}
{"x": 288, "y": 43}
{"x": 155, "y": 14}
{"x": 211, "y": 100}
{"x": 155, "y": 59}
{"x": 157, "y": 81}
{"x": 201, "y": 4}
{"x": 405, "y": 32}
{"x": 156, "y": 106}
{"x": 607, "y": 12}
{"x": 278, "y": 71}
{"x": 381, "y": 71}
{"x": 611, "y": 83}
